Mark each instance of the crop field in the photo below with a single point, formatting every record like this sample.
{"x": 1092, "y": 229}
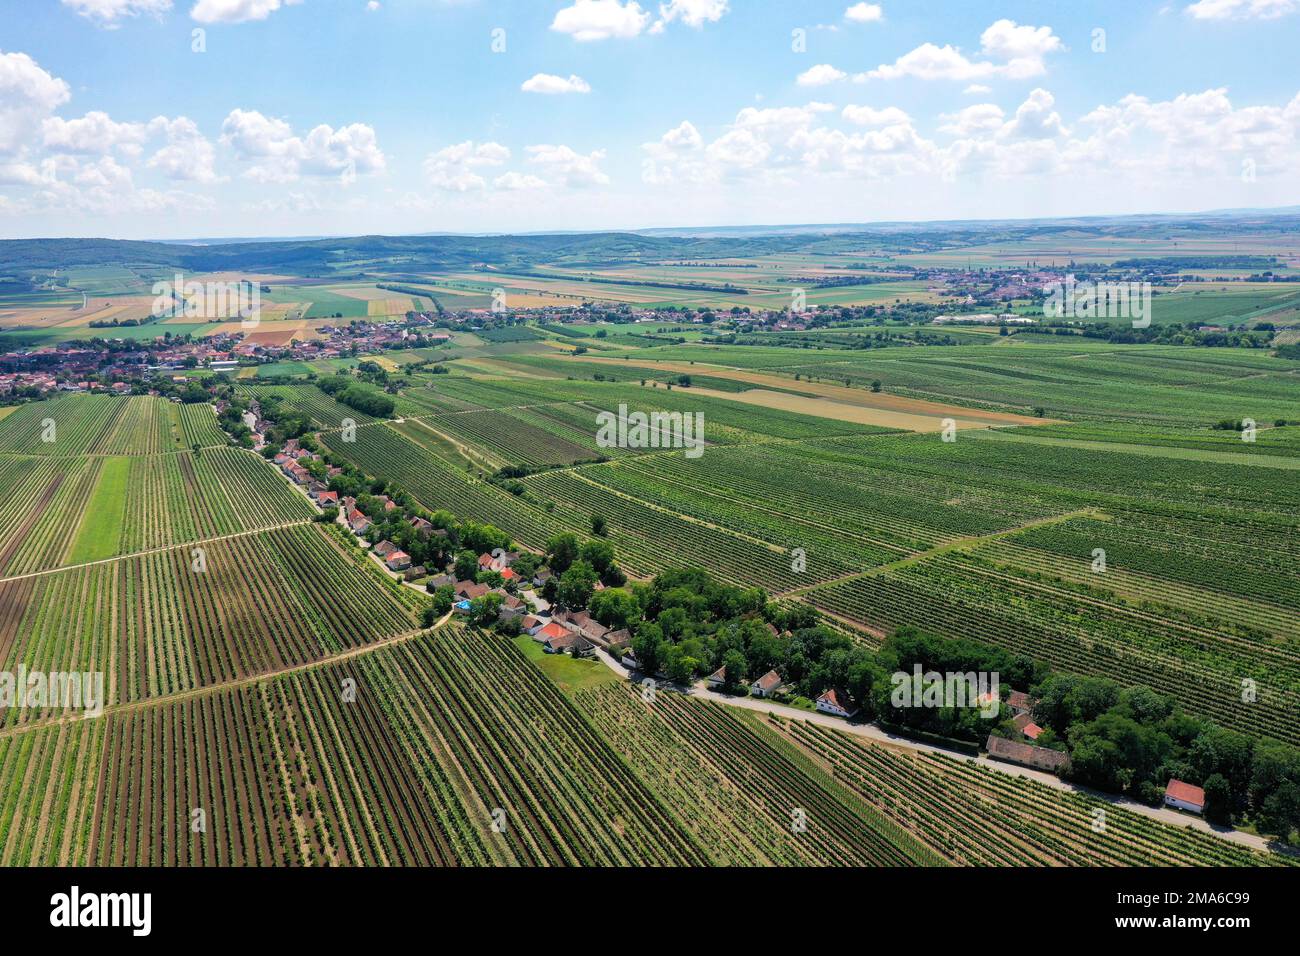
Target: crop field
{"x": 173, "y": 621}
{"x": 59, "y": 509}
{"x": 322, "y": 409}
{"x": 738, "y": 786}
{"x": 95, "y": 425}
{"x": 973, "y": 816}
{"x": 425, "y": 762}
{"x": 437, "y": 484}
{"x": 1145, "y": 384}
{"x": 1199, "y": 590}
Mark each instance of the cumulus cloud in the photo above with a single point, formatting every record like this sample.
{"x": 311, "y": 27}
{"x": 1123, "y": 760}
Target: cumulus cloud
{"x": 108, "y": 12}
{"x": 236, "y": 11}
{"x": 589, "y": 20}
{"x": 187, "y": 155}
{"x": 28, "y": 95}
{"x": 870, "y": 116}
{"x": 279, "y": 155}
{"x": 457, "y": 168}
{"x": 864, "y": 13}
{"x": 820, "y": 75}
{"x": 94, "y": 133}
{"x": 1008, "y": 49}
{"x": 1241, "y": 9}
{"x": 694, "y": 13}
{"x": 516, "y": 181}
{"x": 562, "y": 165}
{"x": 553, "y": 85}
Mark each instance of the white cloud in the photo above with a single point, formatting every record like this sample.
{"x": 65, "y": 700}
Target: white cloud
{"x": 372, "y": 5}
{"x": 820, "y": 75}
{"x": 980, "y": 118}
{"x": 589, "y": 20}
{"x": 188, "y": 154}
{"x": 562, "y": 165}
{"x": 516, "y": 181}
{"x": 236, "y": 11}
{"x": 454, "y": 168}
{"x": 96, "y": 133}
{"x": 1011, "y": 50}
{"x": 108, "y": 12}
{"x": 864, "y": 13}
{"x": 694, "y": 13}
{"x": 869, "y": 116}
{"x": 28, "y": 95}
{"x": 977, "y": 89}
{"x": 1241, "y": 9}
{"x": 279, "y": 155}
{"x": 553, "y": 85}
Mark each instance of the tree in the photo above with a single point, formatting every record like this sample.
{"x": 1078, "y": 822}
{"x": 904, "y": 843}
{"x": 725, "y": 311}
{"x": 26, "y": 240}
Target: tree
{"x": 443, "y": 598}
{"x": 875, "y": 385}
{"x": 577, "y": 584}
{"x": 599, "y": 527}
{"x": 562, "y": 551}
{"x": 736, "y": 666}
{"x": 1218, "y": 799}
{"x": 599, "y": 554}
{"x": 466, "y": 566}
{"x": 1280, "y": 813}
{"x": 615, "y": 608}
{"x": 486, "y": 609}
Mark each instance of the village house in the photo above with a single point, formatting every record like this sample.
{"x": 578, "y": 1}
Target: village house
{"x": 836, "y": 703}
{"x": 385, "y": 548}
{"x": 1184, "y": 796}
{"x": 767, "y": 685}
{"x": 1040, "y": 758}
{"x": 398, "y": 561}
{"x": 717, "y": 678}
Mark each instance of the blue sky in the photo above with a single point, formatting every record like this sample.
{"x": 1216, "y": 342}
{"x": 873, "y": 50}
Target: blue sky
{"x": 343, "y": 116}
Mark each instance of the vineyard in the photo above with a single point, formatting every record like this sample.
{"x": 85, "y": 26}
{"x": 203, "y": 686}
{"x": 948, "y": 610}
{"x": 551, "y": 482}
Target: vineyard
{"x": 322, "y": 409}
{"x": 743, "y": 791}
{"x": 975, "y": 816}
{"x": 173, "y": 621}
{"x": 104, "y": 425}
{"x": 167, "y": 499}
{"x": 414, "y": 754}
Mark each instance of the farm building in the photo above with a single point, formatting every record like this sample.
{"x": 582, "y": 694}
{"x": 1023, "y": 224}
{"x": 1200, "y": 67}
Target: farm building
{"x": 767, "y": 685}
{"x": 1040, "y": 758}
{"x": 1020, "y": 702}
{"x": 831, "y": 702}
{"x": 717, "y": 678}
{"x": 398, "y": 561}
{"x": 1025, "y": 724}
{"x": 385, "y": 548}
{"x": 1184, "y": 796}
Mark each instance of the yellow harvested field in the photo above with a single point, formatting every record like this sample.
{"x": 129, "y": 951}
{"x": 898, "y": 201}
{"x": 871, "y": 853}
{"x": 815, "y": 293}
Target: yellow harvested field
{"x": 931, "y": 414}
{"x": 7, "y": 409}
{"x": 388, "y": 307}
{"x": 841, "y": 412}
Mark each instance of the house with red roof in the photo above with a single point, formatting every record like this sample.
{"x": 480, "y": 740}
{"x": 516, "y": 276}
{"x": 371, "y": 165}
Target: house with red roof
{"x": 836, "y": 703}
{"x": 398, "y": 561}
{"x": 1184, "y": 796}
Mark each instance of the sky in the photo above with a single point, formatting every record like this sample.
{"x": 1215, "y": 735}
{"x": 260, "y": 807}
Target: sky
{"x": 175, "y": 119}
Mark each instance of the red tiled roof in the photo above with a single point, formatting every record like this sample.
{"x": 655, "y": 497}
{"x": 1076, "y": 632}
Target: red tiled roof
{"x": 768, "y": 681}
{"x": 1178, "y": 790}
